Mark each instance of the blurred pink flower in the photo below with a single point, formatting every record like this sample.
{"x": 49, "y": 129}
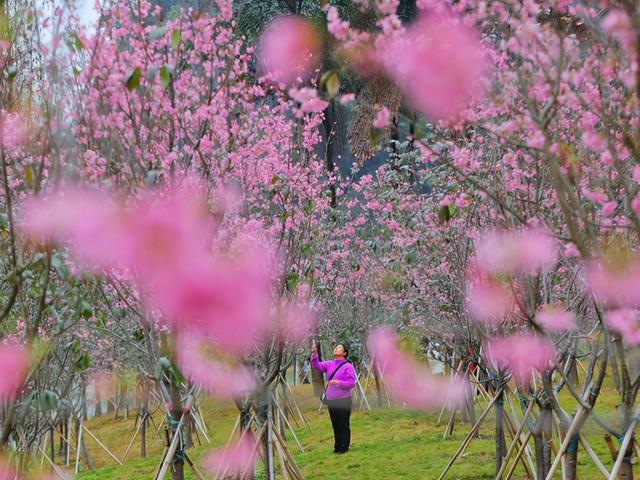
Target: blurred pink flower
{"x": 85, "y": 219}
{"x": 289, "y": 49}
{"x": 14, "y": 366}
{"x": 8, "y": 473}
{"x": 297, "y": 322}
{"x": 383, "y": 118}
{"x": 520, "y": 251}
{"x": 227, "y": 301}
{"x": 487, "y": 300}
{"x": 438, "y": 63}
{"x": 218, "y": 376}
{"x": 627, "y": 323}
{"x": 617, "y": 287}
{"x": 522, "y": 354}
{"x": 555, "y": 318}
{"x": 410, "y": 381}
{"x": 164, "y": 242}
{"x": 237, "y": 458}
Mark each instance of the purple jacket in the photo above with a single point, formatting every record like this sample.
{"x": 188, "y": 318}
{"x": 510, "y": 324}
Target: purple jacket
{"x": 346, "y": 376}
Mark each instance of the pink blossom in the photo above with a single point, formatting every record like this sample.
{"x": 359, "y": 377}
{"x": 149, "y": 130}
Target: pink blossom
{"x": 522, "y": 354}
{"x": 347, "y": 98}
{"x": 308, "y": 98}
{"x": 14, "y": 366}
{"x": 570, "y": 250}
{"x": 337, "y": 27}
{"x": 618, "y": 24}
{"x": 616, "y": 286}
{"x": 520, "y": 251}
{"x": 410, "y": 381}
{"x": 13, "y": 130}
{"x": 204, "y": 363}
{"x": 635, "y": 205}
{"x": 596, "y": 197}
{"x": 627, "y": 323}
{"x": 236, "y": 459}
{"x": 555, "y": 318}
{"x": 608, "y": 208}
{"x": 387, "y": 7}
{"x": 383, "y": 118}
{"x": 289, "y": 49}
{"x": 438, "y": 64}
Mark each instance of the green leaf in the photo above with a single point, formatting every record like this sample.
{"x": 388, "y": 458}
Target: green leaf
{"x": 175, "y": 39}
{"x": 133, "y": 79}
{"x": 85, "y": 309}
{"x": 77, "y": 41}
{"x": 331, "y": 82}
{"x": 445, "y": 213}
{"x": 165, "y": 77}
{"x": 48, "y": 400}
{"x": 162, "y": 364}
{"x": 28, "y": 176}
{"x": 292, "y": 281}
{"x": 82, "y": 363}
{"x": 12, "y": 71}
{"x": 158, "y": 33}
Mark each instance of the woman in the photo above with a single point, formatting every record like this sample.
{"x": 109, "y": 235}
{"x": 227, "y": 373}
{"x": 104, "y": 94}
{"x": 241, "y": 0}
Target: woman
{"x": 341, "y": 380}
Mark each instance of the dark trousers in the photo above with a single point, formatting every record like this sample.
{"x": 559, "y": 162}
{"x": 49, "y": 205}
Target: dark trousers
{"x": 340, "y": 413}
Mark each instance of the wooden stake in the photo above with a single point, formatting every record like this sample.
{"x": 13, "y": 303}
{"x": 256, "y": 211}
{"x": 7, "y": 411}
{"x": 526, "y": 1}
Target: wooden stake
{"x": 470, "y": 435}
{"x": 625, "y": 444}
{"x": 101, "y": 444}
{"x": 593, "y": 456}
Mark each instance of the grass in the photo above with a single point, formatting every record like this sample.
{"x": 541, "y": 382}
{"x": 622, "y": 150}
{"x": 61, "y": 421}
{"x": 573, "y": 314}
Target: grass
{"x": 387, "y": 443}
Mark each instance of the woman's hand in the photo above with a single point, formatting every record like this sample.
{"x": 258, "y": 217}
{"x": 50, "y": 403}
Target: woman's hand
{"x": 333, "y": 382}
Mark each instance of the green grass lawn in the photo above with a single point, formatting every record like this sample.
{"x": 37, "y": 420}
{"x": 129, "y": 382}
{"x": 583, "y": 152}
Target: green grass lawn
{"x": 387, "y": 443}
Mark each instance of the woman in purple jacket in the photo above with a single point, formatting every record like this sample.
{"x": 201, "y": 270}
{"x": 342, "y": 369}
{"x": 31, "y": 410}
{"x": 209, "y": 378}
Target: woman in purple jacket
{"x": 338, "y": 393}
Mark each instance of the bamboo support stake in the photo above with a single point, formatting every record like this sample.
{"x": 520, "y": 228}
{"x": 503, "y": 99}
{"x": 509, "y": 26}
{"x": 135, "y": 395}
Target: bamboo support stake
{"x": 56, "y": 469}
{"x": 594, "y": 456}
{"x": 126, "y": 452}
{"x": 194, "y": 467}
{"x": 283, "y": 416}
{"x": 624, "y": 445}
{"x": 101, "y": 444}
{"x": 79, "y": 446}
{"x": 289, "y": 455}
{"x": 470, "y": 435}
{"x": 174, "y": 442}
{"x": 518, "y": 457}
{"x": 565, "y": 442}
{"x": 512, "y": 446}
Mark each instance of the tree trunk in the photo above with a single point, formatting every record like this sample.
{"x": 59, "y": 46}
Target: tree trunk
{"x": 143, "y": 435}
{"x": 500, "y": 440}
{"x": 316, "y": 377}
{"x": 177, "y": 470}
{"x": 263, "y": 415}
{"x": 572, "y": 456}
{"x": 626, "y": 468}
